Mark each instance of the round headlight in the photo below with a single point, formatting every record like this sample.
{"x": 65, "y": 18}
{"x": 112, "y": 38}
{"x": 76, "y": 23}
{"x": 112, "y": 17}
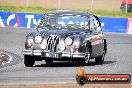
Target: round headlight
{"x": 43, "y": 44}
{"x": 76, "y": 44}
{"x": 61, "y": 46}
{"x": 29, "y": 41}
{"x": 38, "y": 39}
{"x": 68, "y": 41}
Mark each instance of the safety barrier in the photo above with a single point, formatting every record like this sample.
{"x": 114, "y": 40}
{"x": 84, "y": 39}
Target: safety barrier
{"x": 27, "y": 20}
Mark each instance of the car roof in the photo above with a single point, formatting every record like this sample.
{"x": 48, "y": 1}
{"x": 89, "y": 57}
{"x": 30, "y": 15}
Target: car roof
{"x": 63, "y": 12}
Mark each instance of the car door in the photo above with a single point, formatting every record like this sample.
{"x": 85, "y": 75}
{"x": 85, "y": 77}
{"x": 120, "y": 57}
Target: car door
{"x": 97, "y": 38}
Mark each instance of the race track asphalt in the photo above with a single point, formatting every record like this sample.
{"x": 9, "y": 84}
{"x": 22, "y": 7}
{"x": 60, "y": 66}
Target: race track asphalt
{"x": 118, "y": 60}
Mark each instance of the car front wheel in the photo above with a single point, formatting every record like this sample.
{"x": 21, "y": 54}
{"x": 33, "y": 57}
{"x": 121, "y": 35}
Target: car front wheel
{"x": 29, "y": 61}
{"x": 49, "y": 61}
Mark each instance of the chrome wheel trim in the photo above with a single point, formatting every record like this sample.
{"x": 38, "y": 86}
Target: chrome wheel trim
{"x": 87, "y": 57}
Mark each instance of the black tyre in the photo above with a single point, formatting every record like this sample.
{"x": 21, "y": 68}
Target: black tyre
{"x": 105, "y": 46}
{"x": 88, "y": 51}
{"x": 100, "y": 60}
{"x": 82, "y": 62}
{"x": 49, "y": 61}
{"x": 29, "y": 61}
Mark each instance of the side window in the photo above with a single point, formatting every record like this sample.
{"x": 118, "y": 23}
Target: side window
{"x": 94, "y": 23}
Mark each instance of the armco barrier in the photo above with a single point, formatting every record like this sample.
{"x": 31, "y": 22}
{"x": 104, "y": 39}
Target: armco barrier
{"x": 27, "y": 20}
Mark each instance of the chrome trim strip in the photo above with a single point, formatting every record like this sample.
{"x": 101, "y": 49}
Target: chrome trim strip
{"x": 56, "y": 54}
{"x": 56, "y": 39}
{"x": 32, "y": 52}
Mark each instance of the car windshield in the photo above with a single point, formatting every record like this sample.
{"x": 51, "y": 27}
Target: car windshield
{"x": 66, "y": 21}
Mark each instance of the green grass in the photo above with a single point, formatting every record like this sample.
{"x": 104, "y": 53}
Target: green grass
{"x": 25, "y": 9}
{"x": 43, "y": 10}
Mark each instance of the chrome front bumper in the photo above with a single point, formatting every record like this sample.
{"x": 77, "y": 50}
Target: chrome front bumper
{"x": 54, "y": 54}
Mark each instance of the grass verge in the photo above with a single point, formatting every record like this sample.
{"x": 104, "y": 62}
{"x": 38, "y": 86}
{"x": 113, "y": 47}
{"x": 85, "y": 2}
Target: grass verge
{"x": 43, "y": 10}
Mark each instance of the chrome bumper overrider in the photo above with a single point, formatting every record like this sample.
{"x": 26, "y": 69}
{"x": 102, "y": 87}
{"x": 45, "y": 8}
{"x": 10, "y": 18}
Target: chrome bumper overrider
{"x": 53, "y": 54}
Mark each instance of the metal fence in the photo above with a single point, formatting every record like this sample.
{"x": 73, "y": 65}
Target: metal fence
{"x": 66, "y": 4}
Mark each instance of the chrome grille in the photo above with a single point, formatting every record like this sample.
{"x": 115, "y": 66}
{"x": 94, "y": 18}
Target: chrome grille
{"x": 52, "y": 42}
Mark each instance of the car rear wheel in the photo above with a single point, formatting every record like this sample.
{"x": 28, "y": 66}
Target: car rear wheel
{"x": 29, "y": 61}
{"x": 49, "y": 62}
{"x": 100, "y": 60}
